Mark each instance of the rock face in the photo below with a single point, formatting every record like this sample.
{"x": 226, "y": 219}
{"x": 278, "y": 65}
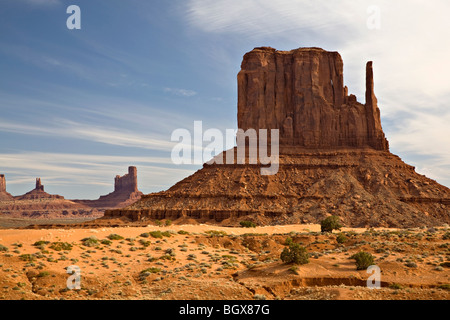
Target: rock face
{"x": 3, "y": 194}
{"x": 125, "y": 192}
{"x": 38, "y": 193}
{"x": 301, "y": 93}
{"x": 334, "y": 157}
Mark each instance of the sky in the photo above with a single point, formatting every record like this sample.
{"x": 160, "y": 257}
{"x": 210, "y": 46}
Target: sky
{"x": 78, "y": 106}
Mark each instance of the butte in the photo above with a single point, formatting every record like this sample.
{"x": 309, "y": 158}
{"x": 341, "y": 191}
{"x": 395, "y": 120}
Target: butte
{"x": 334, "y": 156}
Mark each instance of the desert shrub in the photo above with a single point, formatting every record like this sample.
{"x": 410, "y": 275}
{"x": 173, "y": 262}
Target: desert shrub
{"x": 295, "y": 253}
{"x": 183, "y": 232}
{"x": 411, "y": 264}
{"x": 144, "y": 243}
{"x": 446, "y": 236}
{"x": 168, "y": 222}
{"x": 106, "y": 242}
{"x": 215, "y": 233}
{"x": 151, "y": 270}
{"x": 43, "y": 274}
{"x": 294, "y": 269}
{"x": 330, "y": 223}
{"x": 145, "y": 235}
{"x": 395, "y": 286}
{"x": 114, "y": 236}
{"x": 363, "y": 260}
{"x": 90, "y": 242}
{"x": 27, "y": 257}
{"x": 341, "y": 238}
{"x": 247, "y": 224}
{"x": 445, "y": 264}
{"x": 41, "y": 243}
{"x": 3, "y": 248}
{"x": 156, "y": 234}
{"x": 444, "y": 287}
{"x": 288, "y": 241}
{"x": 61, "y": 246}
{"x": 158, "y": 223}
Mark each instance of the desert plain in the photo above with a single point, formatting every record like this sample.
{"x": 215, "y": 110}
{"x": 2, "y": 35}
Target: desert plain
{"x": 203, "y": 261}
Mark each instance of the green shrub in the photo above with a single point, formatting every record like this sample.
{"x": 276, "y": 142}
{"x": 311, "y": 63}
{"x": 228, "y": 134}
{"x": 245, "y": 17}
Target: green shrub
{"x": 145, "y": 235}
{"x": 114, "y": 236}
{"x": 330, "y": 223}
{"x": 215, "y": 233}
{"x": 151, "y": 270}
{"x": 288, "y": 241}
{"x": 363, "y": 260}
{"x": 168, "y": 222}
{"x": 183, "y": 232}
{"x": 61, "y": 246}
{"x": 446, "y": 236}
{"x": 395, "y": 286}
{"x": 341, "y": 238}
{"x": 247, "y": 224}
{"x": 43, "y": 274}
{"x": 444, "y": 286}
{"x": 3, "y": 248}
{"x": 41, "y": 243}
{"x": 445, "y": 264}
{"x": 27, "y": 257}
{"x": 106, "y": 242}
{"x": 295, "y": 253}
{"x": 90, "y": 242}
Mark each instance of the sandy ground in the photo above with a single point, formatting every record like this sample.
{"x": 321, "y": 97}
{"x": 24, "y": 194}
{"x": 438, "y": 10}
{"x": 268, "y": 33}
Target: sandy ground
{"x": 212, "y": 262}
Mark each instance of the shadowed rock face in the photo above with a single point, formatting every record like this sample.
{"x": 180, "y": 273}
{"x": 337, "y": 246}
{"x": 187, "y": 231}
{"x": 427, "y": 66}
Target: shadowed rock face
{"x": 302, "y": 93}
{"x": 125, "y": 192}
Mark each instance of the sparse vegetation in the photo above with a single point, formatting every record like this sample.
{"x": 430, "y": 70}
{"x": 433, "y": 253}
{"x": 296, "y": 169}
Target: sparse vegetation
{"x": 215, "y": 233}
{"x": 61, "y": 246}
{"x": 363, "y": 260}
{"x": 90, "y": 242}
{"x": 247, "y": 224}
{"x": 295, "y": 253}
{"x": 341, "y": 238}
{"x": 114, "y": 236}
{"x": 3, "y": 248}
{"x": 330, "y": 223}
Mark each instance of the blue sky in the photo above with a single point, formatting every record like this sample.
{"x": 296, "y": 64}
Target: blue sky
{"x": 78, "y": 107}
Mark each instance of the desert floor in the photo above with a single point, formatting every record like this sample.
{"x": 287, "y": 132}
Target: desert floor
{"x": 212, "y": 262}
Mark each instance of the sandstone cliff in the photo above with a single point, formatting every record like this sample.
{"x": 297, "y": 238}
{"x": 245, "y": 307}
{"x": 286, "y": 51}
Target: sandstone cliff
{"x": 334, "y": 156}
{"x": 125, "y": 192}
{"x": 301, "y": 93}
{"x": 3, "y": 194}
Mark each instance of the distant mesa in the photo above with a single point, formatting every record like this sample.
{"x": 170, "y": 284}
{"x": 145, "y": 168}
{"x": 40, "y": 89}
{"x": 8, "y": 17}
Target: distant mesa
{"x": 334, "y": 157}
{"x": 125, "y": 192}
{"x": 39, "y": 204}
{"x": 38, "y": 193}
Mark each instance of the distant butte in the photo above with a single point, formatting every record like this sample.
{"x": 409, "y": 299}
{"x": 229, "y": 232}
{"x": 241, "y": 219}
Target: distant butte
{"x": 334, "y": 157}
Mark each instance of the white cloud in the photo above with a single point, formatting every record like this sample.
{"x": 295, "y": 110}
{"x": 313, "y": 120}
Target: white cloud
{"x": 180, "y": 92}
{"x": 74, "y": 130}
{"x": 410, "y": 53}
{"x": 71, "y": 174}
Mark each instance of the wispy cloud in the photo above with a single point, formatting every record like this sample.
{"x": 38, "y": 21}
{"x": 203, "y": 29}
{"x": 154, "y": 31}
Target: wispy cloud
{"x": 72, "y": 174}
{"x": 180, "y": 92}
{"x": 74, "y": 130}
{"x": 410, "y": 57}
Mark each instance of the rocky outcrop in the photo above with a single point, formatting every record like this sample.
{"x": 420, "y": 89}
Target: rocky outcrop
{"x": 125, "y": 192}
{"x": 4, "y": 196}
{"x": 302, "y": 93}
{"x": 334, "y": 157}
{"x": 38, "y": 193}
